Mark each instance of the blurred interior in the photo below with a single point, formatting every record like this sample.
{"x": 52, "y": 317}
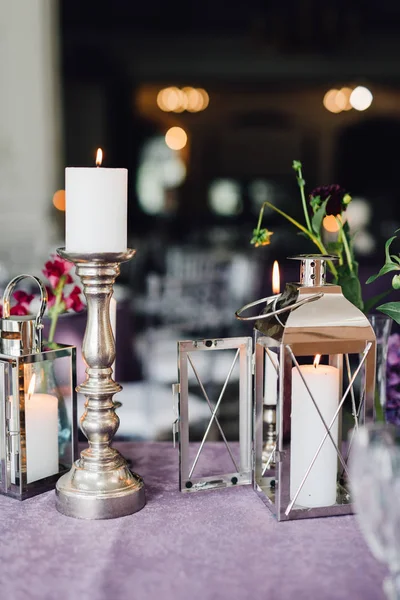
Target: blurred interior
{"x": 247, "y": 84}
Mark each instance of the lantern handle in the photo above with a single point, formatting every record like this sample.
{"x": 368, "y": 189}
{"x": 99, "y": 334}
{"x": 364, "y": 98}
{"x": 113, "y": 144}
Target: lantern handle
{"x": 275, "y": 312}
{"x": 43, "y": 304}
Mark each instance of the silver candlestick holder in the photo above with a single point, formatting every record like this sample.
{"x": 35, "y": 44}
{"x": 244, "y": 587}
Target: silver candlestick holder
{"x": 99, "y": 484}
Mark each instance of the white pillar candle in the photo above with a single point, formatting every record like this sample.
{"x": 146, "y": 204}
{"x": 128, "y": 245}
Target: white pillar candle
{"x": 270, "y": 378}
{"x": 13, "y": 428}
{"x": 96, "y": 209}
{"x": 307, "y": 432}
{"x": 41, "y": 426}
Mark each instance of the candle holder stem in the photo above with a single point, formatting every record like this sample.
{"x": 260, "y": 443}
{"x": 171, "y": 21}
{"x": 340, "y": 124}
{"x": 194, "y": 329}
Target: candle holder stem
{"x": 99, "y": 484}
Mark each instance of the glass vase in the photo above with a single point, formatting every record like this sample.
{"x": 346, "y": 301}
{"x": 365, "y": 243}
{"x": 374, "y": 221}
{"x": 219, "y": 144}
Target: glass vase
{"x": 375, "y": 485}
{"x": 382, "y": 325}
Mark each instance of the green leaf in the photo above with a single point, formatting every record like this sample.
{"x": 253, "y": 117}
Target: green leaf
{"x": 371, "y": 302}
{"x": 351, "y": 287}
{"x": 387, "y": 248}
{"x": 392, "y": 310}
{"x": 395, "y": 258}
{"x": 385, "y": 269}
{"x": 318, "y": 217}
{"x": 315, "y": 202}
{"x": 335, "y": 248}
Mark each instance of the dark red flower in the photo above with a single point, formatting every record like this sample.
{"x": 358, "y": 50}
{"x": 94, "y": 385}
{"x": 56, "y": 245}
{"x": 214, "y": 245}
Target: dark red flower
{"x": 23, "y": 298}
{"x": 55, "y": 269}
{"x": 338, "y": 198}
{"x": 74, "y": 300}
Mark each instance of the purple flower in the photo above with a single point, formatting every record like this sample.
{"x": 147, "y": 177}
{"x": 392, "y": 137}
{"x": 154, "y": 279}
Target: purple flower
{"x": 393, "y": 380}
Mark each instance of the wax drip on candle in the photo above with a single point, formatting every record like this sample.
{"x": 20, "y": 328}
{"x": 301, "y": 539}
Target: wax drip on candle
{"x": 276, "y": 283}
{"x": 99, "y": 157}
{"x": 316, "y": 360}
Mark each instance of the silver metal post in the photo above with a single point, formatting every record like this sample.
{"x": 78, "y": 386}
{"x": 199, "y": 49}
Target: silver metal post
{"x": 99, "y": 484}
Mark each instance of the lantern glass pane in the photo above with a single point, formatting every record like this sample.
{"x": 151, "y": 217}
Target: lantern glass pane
{"x": 47, "y": 411}
{"x": 319, "y": 406}
{"x": 215, "y": 408}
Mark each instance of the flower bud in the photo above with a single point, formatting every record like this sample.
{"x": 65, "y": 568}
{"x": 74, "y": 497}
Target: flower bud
{"x": 396, "y": 282}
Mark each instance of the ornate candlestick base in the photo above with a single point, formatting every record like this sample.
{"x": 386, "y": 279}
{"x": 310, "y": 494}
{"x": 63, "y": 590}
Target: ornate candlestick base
{"x": 99, "y": 485}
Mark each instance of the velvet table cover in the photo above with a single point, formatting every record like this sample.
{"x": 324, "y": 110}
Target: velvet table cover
{"x": 219, "y": 544}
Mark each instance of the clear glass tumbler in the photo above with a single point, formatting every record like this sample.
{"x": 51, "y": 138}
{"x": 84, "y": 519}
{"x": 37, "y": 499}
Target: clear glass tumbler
{"x": 375, "y": 486}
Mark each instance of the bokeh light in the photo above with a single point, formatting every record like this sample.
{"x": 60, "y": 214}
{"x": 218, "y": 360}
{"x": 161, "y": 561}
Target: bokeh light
{"x": 173, "y": 99}
{"x": 176, "y": 138}
{"x": 361, "y": 98}
{"x": 59, "y": 200}
{"x": 342, "y": 99}
{"x": 160, "y": 171}
{"x": 329, "y": 101}
{"x": 330, "y": 223}
{"x": 224, "y": 197}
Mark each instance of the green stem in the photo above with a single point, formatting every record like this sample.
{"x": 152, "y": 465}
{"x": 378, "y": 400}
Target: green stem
{"x": 312, "y": 237}
{"x": 260, "y": 217}
{"x": 345, "y": 245}
{"x": 55, "y": 311}
{"x": 303, "y": 200}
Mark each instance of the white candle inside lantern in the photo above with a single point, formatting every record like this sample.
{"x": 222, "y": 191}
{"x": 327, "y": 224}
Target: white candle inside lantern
{"x": 307, "y": 432}
{"x": 41, "y": 427}
{"x": 96, "y": 209}
{"x": 271, "y": 365}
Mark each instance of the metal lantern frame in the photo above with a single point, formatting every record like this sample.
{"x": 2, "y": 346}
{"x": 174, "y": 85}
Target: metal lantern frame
{"x": 24, "y": 361}
{"x": 308, "y": 318}
{"x": 15, "y": 373}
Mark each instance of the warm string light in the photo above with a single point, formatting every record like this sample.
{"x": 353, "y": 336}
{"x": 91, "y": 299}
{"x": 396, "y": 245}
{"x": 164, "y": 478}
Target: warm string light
{"x": 331, "y": 224}
{"x": 276, "y": 280}
{"x": 173, "y": 99}
{"x": 336, "y": 101}
{"x": 59, "y": 200}
{"x": 176, "y": 138}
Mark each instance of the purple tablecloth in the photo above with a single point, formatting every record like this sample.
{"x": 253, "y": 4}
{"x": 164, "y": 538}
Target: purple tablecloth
{"x": 210, "y": 545}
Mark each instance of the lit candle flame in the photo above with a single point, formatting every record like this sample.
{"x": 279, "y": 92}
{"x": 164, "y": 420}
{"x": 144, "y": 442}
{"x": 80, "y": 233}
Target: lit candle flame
{"x": 276, "y": 280}
{"x": 99, "y": 157}
{"x": 316, "y": 360}
{"x": 31, "y": 386}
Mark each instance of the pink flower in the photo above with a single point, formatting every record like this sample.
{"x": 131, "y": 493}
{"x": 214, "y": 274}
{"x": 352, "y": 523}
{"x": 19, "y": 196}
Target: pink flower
{"x": 23, "y": 298}
{"x": 74, "y": 301}
{"x": 19, "y": 309}
{"x": 56, "y": 269}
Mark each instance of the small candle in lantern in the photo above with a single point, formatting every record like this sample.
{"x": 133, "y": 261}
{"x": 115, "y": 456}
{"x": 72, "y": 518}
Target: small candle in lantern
{"x": 307, "y": 432}
{"x": 271, "y": 363}
{"x": 96, "y": 208}
{"x": 41, "y": 426}
{"x": 276, "y": 278}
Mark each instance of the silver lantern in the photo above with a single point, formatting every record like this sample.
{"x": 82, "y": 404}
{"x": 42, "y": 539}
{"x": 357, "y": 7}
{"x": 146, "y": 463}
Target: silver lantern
{"x": 38, "y": 436}
{"x": 313, "y": 362}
